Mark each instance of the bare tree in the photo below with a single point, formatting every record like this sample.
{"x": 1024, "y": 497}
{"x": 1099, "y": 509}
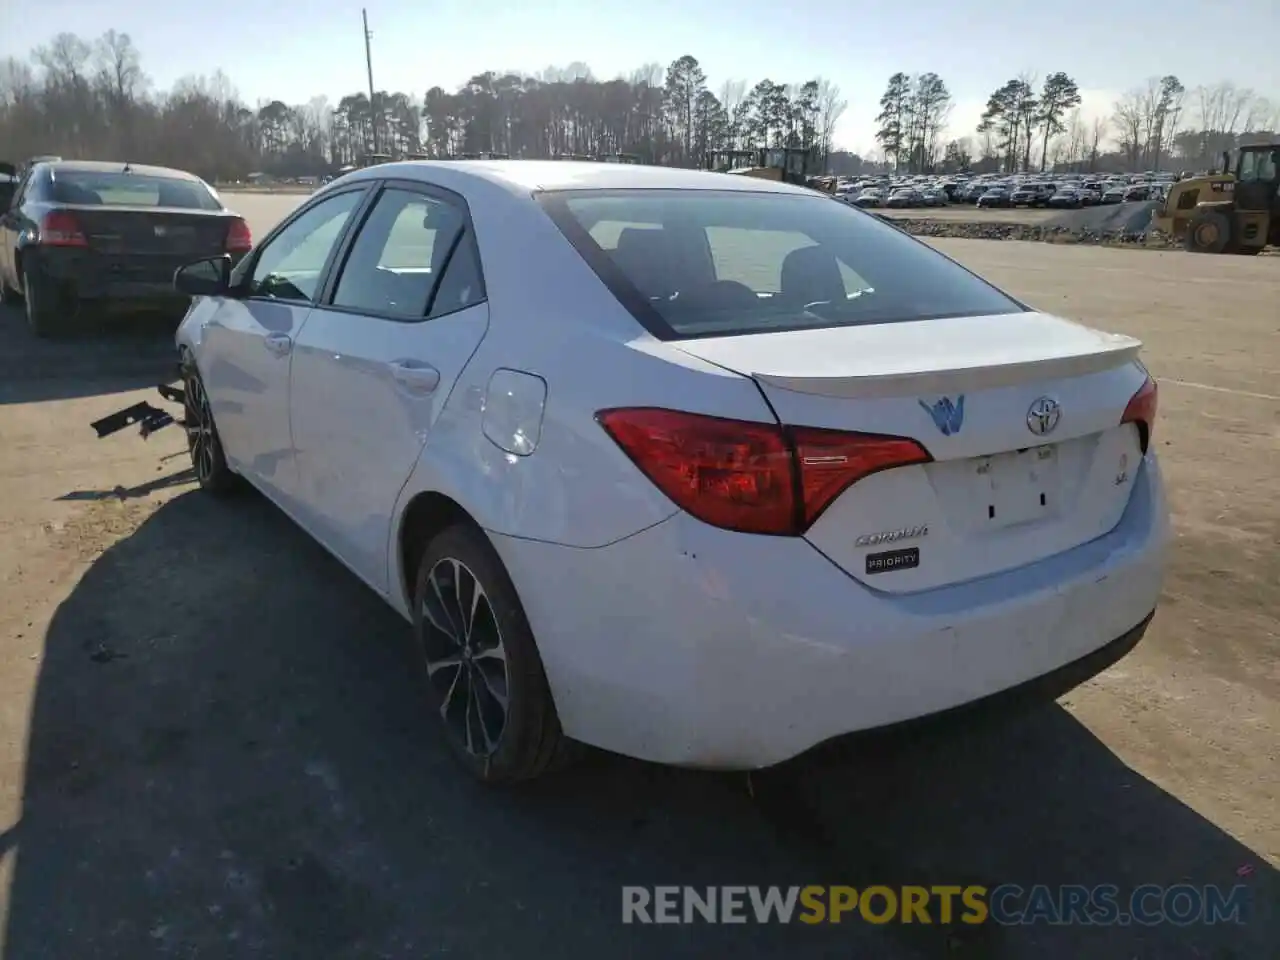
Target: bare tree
{"x": 1097, "y": 133}
{"x": 1129, "y": 119}
{"x": 119, "y": 66}
{"x": 831, "y": 107}
{"x": 731, "y": 94}
{"x": 1073, "y": 140}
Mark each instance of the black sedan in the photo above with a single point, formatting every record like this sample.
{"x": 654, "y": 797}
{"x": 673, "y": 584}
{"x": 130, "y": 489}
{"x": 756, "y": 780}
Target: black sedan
{"x": 1067, "y": 197}
{"x": 88, "y": 234}
{"x": 994, "y": 197}
{"x": 905, "y": 197}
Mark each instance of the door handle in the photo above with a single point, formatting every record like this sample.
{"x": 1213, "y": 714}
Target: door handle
{"x": 415, "y": 377}
{"x": 278, "y": 344}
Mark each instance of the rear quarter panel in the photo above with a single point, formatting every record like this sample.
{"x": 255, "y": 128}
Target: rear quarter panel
{"x": 550, "y": 316}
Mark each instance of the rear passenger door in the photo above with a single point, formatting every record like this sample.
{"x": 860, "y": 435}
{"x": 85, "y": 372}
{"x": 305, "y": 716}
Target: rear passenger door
{"x": 374, "y": 364}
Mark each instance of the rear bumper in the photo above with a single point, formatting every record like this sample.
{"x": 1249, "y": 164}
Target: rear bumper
{"x": 690, "y": 645}
{"x": 113, "y": 280}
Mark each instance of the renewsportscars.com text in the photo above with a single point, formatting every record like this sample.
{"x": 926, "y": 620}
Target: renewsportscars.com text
{"x": 1007, "y": 904}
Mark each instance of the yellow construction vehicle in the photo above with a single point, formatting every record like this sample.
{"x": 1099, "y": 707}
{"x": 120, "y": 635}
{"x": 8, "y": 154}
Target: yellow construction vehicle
{"x": 733, "y": 161}
{"x": 1236, "y": 210}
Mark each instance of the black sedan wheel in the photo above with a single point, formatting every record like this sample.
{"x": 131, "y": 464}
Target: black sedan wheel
{"x": 47, "y": 311}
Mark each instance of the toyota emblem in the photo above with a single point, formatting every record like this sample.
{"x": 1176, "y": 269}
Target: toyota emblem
{"x": 1043, "y": 416}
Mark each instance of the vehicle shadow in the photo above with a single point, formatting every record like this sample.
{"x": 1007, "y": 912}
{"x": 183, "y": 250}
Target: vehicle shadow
{"x": 178, "y": 479}
{"x": 229, "y": 756}
{"x": 135, "y": 352}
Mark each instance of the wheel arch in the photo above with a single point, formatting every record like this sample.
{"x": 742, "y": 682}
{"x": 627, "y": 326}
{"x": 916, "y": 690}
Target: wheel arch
{"x": 424, "y": 515}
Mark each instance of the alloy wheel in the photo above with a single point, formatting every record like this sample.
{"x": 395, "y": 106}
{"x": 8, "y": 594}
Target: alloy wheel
{"x": 199, "y": 424}
{"x": 465, "y": 657}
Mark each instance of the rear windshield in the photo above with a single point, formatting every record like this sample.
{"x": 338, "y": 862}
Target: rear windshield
{"x": 699, "y": 263}
{"x": 94, "y": 188}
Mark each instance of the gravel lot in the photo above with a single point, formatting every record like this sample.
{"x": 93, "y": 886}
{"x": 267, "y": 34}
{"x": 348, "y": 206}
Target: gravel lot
{"x": 210, "y": 745}
{"x": 970, "y": 213}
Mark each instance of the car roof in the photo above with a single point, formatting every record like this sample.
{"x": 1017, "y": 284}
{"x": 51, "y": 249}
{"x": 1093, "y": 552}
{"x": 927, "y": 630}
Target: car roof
{"x": 109, "y": 166}
{"x": 526, "y": 176}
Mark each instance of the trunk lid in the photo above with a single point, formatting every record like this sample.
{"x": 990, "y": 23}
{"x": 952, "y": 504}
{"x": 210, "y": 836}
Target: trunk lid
{"x": 169, "y": 232}
{"x": 1011, "y": 482}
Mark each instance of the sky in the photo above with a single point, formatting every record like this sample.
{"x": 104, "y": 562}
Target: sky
{"x": 293, "y": 50}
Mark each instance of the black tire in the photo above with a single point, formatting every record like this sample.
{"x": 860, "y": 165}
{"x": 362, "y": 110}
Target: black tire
{"x": 468, "y": 670}
{"x": 1208, "y": 232}
{"x": 208, "y": 461}
{"x": 49, "y": 312}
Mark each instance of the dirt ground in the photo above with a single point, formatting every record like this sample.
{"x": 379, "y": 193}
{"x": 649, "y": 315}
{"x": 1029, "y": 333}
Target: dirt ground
{"x": 971, "y": 213}
{"x": 210, "y": 745}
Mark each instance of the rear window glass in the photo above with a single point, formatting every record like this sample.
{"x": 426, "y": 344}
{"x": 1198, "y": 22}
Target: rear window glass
{"x": 93, "y": 188}
{"x": 722, "y": 263}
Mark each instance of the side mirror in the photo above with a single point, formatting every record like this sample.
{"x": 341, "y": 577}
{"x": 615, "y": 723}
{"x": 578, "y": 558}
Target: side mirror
{"x": 204, "y": 278}
{"x": 1226, "y": 162}
{"x": 8, "y": 170}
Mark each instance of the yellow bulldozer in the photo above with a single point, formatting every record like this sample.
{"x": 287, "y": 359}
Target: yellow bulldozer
{"x": 1236, "y": 210}
{"x": 788, "y": 164}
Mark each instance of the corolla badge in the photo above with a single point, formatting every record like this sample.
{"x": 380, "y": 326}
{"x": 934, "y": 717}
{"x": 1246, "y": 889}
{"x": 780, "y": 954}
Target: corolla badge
{"x": 1043, "y": 416}
{"x": 892, "y": 536}
{"x": 948, "y": 416}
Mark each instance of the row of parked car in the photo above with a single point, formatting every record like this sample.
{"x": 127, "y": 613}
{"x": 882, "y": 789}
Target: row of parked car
{"x": 1061, "y": 190}
{"x": 1067, "y": 194}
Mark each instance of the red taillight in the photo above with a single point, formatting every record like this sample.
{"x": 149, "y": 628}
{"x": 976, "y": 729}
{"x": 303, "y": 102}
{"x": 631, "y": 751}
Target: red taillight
{"x": 746, "y": 476}
{"x": 832, "y": 460}
{"x": 239, "y": 237}
{"x": 61, "y": 229}
{"x": 1141, "y": 410}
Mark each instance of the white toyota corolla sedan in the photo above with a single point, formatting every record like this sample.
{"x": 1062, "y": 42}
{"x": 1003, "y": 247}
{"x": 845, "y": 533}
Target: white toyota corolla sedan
{"x": 697, "y": 468}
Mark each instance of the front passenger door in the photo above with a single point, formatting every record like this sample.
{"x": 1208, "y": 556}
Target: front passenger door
{"x": 247, "y": 342}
